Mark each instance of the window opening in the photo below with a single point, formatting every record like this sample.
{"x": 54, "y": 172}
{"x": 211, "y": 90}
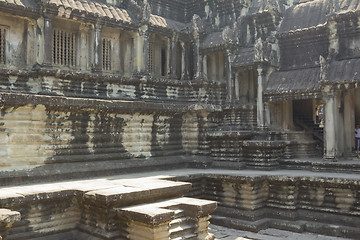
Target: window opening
{"x": 64, "y": 48}
{"x": 163, "y": 62}
{"x": 150, "y": 60}
{"x": 106, "y": 54}
{"x": 2, "y": 45}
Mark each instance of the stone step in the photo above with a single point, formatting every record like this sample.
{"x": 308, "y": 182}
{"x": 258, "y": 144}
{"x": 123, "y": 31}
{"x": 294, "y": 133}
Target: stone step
{"x": 86, "y": 205}
{"x": 253, "y": 226}
{"x": 154, "y": 220}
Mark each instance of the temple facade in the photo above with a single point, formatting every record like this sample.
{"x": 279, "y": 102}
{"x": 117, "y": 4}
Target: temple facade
{"x": 93, "y": 88}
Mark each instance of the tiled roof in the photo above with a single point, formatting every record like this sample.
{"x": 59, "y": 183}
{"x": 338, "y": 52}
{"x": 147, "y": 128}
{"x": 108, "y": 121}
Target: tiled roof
{"x": 299, "y": 80}
{"x": 100, "y": 9}
{"x": 306, "y": 15}
{"x": 162, "y": 22}
{"x": 315, "y": 13}
{"x": 94, "y": 8}
{"x": 344, "y": 71}
{"x": 30, "y": 4}
{"x": 245, "y": 56}
{"x": 213, "y": 40}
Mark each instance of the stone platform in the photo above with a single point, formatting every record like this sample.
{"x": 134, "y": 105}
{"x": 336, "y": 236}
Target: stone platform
{"x": 116, "y": 207}
{"x": 105, "y": 208}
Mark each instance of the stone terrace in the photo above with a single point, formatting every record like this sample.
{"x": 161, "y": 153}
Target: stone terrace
{"x": 107, "y": 208}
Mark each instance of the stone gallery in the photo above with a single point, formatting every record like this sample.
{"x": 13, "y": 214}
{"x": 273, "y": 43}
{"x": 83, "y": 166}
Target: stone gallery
{"x": 151, "y": 119}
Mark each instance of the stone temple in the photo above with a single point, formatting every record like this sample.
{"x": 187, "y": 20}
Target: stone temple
{"x": 158, "y": 119}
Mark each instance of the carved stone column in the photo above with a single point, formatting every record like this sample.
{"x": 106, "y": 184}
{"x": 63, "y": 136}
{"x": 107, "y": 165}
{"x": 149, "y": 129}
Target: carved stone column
{"x": 197, "y": 57}
{"x": 205, "y": 71}
{"x": 84, "y": 46}
{"x": 260, "y": 103}
{"x": 214, "y": 68}
{"x": 184, "y": 74}
{"x": 173, "y": 56}
{"x": 31, "y": 42}
{"x": 142, "y": 50}
{"x": 97, "y": 65}
{"x": 330, "y": 141}
{"x": 349, "y": 121}
{"x": 228, "y": 72}
{"x": 48, "y": 39}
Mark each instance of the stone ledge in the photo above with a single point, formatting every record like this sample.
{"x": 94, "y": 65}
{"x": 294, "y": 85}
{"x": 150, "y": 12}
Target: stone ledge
{"x": 107, "y": 191}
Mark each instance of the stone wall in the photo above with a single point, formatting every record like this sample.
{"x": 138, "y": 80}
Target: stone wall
{"x": 293, "y": 201}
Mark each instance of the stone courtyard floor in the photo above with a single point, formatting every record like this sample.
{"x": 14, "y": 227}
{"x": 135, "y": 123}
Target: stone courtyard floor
{"x": 223, "y": 233}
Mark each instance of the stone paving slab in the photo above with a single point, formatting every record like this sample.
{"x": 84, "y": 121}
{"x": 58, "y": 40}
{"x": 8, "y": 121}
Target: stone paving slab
{"x": 223, "y": 233}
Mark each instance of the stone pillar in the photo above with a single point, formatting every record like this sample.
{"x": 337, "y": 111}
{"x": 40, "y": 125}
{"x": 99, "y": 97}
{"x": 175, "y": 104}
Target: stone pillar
{"x": 267, "y": 106}
{"x": 287, "y": 111}
{"x": 228, "y": 72}
{"x": 349, "y": 121}
{"x": 330, "y": 141}
{"x": 260, "y": 103}
{"x": 197, "y": 57}
{"x": 187, "y": 62}
{"x": 142, "y": 50}
{"x": 83, "y": 47}
{"x": 220, "y": 60}
{"x": 169, "y": 54}
{"x": 48, "y": 39}
{"x": 97, "y": 65}
{"x": 214, "y": 69}
{"x": 31, "y": 42}
{"x": 184, "y": 74}
{"x": 236, "y": 87}
{"x": 173, "y": 57}
{"x": 205, "y": 70}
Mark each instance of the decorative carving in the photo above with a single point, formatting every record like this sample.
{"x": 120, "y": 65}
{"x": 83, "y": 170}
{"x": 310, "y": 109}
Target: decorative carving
{"x": 146, "y": 11}
{"x": 228, "y": 35}
{"x": 324, "y": 69}
{"x": 197, "y": 24}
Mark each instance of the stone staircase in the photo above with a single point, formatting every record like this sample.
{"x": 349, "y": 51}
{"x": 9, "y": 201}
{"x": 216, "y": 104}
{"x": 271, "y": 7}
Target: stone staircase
{"x": 310, "y": 126}
{"x": 301, "y": 145}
